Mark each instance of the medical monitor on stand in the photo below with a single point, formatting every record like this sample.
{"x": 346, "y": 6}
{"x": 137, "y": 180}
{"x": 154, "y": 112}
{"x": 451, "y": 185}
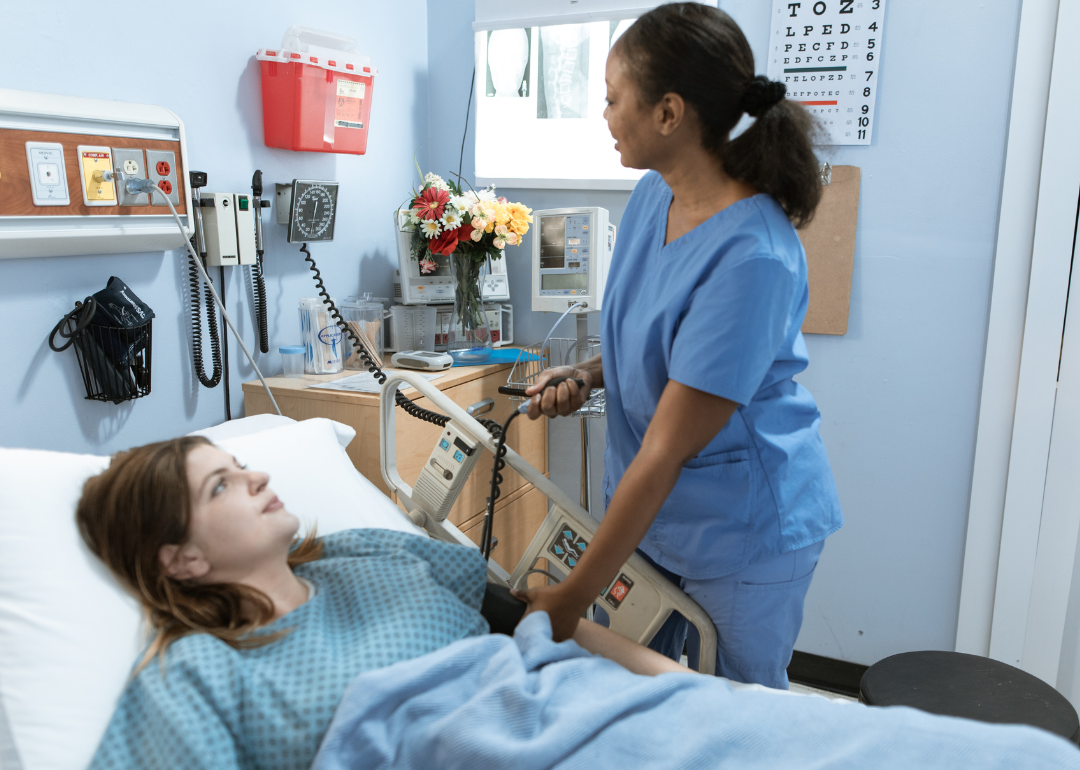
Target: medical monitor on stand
{"x": 571, "y": 258}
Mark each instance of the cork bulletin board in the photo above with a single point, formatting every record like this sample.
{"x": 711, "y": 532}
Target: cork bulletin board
{"x": 829, "y": 241}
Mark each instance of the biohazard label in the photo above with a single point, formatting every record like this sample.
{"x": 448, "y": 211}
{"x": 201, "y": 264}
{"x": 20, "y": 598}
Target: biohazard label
{"x": 567, "y": 547}
{"x": 619, "y": 590}
{"x": 350, "y": 97}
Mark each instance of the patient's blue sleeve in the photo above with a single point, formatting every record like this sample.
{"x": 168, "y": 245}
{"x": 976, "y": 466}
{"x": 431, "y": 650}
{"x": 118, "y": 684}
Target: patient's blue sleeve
{"x": 381, "y": 597}
{"x": 178, "y": 716}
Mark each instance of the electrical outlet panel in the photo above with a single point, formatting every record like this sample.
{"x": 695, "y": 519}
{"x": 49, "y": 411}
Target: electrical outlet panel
{"x": 130, "y": 161}
{"x": 219, "y": 227}
{"x": 245, "y": 228}
{"x": 48, "y": 178}
{"x": 161, "y": 170}
{"x": 94, "y": 162}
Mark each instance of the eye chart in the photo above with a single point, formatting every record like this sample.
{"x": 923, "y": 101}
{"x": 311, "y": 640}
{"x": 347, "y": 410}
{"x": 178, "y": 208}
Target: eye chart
{"x": 827, "y": 54}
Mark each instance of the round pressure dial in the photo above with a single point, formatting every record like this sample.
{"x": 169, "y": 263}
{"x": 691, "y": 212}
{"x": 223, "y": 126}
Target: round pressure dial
{"x": 313, "y": 212}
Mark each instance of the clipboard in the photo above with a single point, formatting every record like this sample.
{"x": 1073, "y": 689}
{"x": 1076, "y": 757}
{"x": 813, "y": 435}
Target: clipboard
{"x": 829, "y": 240}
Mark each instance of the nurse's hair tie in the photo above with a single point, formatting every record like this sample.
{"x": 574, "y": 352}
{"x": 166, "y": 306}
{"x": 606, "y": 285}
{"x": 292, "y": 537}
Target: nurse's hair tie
{"x": 760, "y": 95}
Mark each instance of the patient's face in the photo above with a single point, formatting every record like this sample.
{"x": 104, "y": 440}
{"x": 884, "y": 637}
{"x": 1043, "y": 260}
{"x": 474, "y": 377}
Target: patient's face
{"x": 237, "y": 521}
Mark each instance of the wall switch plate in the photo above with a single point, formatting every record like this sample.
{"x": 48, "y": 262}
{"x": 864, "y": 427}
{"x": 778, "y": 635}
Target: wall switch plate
{"x": 130, "y": 161}
{"x": 161, "y": 170}
{"x": 48, "y": 177}
{"x": 93, "y": 161}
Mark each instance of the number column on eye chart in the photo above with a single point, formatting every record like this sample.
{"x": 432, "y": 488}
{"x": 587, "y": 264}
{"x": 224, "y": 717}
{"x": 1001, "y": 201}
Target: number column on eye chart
{"x": 827, "y": 54}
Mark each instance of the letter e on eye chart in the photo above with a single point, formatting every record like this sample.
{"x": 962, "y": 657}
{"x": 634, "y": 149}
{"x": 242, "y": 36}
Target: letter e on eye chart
{"x": 827, "y": 54}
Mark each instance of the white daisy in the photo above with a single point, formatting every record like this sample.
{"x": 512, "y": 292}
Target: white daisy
{"x": 451, "y": 220}
{"x": 460, "y": 202}
{"x": 486, "y": 195}
{"x": 430, "y": 228}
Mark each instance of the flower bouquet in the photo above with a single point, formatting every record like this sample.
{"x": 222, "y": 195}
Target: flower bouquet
{"x": 464, "y": 229}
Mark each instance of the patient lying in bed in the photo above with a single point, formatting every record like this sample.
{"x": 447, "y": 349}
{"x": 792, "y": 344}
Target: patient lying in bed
{"x": 257, "y": 638}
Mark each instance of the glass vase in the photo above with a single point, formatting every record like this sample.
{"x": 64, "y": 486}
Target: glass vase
{"x": 468, "y": 337}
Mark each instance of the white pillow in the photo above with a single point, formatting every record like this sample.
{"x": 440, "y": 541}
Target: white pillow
{"x": 313, "y": 475}
{"x": 245, "y": 425}
{"x": 69, "y": 634}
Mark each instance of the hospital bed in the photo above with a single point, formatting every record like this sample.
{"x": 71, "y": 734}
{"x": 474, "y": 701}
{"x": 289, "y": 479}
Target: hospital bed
{"x": 69, "y": 634}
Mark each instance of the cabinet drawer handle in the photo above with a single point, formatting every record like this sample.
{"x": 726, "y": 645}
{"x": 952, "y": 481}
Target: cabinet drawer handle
{"x": 481, "y": 407}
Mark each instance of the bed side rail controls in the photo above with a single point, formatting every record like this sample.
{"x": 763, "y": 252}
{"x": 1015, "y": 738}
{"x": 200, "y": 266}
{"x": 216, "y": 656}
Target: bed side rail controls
{"x": 445, "y": 472}
{"x": 637, "y": 601}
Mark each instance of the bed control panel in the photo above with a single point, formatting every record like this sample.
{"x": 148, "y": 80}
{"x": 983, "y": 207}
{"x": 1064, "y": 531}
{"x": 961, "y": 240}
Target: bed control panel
{"x": 445, "y": 472}
{"x": 568, "y": 546}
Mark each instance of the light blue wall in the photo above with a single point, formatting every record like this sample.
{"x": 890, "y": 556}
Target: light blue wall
{"x": 899, "y": 392}
{"x": 208, "y": 76}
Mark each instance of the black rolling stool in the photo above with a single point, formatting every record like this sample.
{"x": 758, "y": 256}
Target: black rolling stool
{"x": 959, "y": 685}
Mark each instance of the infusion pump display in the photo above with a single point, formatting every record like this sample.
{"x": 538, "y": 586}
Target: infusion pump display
{"x": 571, "y": 257}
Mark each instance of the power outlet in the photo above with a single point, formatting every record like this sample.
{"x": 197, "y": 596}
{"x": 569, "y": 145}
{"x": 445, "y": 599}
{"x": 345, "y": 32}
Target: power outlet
{"x": 161, "y": 170}
{"x": 131, "y": 163}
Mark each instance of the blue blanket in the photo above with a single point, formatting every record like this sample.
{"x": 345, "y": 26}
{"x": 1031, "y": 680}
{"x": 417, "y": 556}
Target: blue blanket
{"x": 527, "y": 703}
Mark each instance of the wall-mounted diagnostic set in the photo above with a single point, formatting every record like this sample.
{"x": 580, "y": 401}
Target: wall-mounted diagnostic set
{"x": 572, "y": 251}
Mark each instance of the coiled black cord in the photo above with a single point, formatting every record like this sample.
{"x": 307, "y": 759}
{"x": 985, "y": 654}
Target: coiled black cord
{"x": 196, "y": 329}
{"x": 260, "y": 302}
{"x": 496, "y": 480}
{"x": 399, "y": 398}
{"x": 73, "y": 323}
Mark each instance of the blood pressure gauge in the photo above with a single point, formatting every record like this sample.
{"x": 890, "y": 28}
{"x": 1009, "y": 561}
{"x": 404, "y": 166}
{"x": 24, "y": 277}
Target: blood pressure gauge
{"x": 313, "y": 211}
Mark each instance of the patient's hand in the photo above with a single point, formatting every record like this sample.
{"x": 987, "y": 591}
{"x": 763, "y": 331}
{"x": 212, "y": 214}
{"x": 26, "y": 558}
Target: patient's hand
{"x": 563, "y": 608}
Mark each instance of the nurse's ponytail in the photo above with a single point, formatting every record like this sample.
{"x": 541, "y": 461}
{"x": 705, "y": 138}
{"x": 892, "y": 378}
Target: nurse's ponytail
{"x": 700, "y": 53}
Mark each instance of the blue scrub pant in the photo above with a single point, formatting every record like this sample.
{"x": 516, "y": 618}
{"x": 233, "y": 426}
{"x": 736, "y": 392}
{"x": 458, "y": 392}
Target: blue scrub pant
{"x": 757, "y": 612}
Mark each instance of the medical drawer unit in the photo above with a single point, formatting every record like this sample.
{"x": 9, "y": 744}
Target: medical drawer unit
{"x": 62, "y": 161}
{"x": 571, "y": 257}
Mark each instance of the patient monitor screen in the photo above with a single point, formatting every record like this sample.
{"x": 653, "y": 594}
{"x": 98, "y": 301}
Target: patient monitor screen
{"x": 565, "y": 254}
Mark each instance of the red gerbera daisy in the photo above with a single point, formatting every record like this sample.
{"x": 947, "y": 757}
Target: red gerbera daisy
{"x": 431, "y": 202}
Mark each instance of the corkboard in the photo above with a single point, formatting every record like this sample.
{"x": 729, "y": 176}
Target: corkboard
{"x": 16, "y": 198}
{"x": 829, "y": 241}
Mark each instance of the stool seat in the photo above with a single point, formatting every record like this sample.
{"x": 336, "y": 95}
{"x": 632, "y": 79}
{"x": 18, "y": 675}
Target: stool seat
{"x": 960, "y": 685}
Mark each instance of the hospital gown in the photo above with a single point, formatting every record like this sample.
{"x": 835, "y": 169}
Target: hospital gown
{"x": 382, "y": 597}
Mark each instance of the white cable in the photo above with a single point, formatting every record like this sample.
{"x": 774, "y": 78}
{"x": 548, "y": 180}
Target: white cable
{"x": 147, "y": 187}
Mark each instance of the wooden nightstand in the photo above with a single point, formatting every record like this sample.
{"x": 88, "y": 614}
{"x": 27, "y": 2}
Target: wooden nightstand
{"x": 520, "y": 510}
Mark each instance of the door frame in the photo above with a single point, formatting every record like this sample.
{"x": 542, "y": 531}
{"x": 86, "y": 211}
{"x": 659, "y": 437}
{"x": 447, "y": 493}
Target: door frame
{"x": 1025, "y": 331}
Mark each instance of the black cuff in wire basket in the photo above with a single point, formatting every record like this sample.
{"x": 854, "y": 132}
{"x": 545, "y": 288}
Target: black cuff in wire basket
{"x": 114, "y": 360}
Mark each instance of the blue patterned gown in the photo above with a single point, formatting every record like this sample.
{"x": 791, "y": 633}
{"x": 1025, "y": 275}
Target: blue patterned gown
{"x": 382, "y": 597}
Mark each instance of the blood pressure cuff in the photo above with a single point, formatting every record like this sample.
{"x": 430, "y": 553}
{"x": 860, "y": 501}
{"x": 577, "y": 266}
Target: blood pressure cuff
{"x": 501, "y": 610}
{"x": 119, "y": 309}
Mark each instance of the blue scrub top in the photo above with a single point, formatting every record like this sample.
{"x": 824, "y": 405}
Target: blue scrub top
{"x": 718, "y": 310}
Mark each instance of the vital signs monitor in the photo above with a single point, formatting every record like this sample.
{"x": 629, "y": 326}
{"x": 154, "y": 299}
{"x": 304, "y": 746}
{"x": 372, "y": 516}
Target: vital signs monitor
{"x": 571, "y": 258}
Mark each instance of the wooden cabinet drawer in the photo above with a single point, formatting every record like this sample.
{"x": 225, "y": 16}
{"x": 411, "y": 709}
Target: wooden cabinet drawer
{"x": 516, "y": 521}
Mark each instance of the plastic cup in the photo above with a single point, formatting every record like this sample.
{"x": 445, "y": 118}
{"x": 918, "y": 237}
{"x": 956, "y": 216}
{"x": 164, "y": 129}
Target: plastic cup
{"x": 292, "y": 360}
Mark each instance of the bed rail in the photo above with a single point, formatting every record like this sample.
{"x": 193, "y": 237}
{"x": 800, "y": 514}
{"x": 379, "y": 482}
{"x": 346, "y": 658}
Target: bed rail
{"x": 637, "y": 601}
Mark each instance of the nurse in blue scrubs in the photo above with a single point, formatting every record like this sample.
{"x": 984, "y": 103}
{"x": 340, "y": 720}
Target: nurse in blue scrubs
{"x": 714, "y": 467}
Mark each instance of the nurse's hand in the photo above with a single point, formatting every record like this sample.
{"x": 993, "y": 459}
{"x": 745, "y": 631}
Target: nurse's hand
{"x": 563, "y": 608}
{"x": 562, "y": 399}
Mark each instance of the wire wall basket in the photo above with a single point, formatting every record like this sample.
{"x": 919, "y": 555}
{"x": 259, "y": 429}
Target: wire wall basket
{"x": 535, "y": 359}
{"x": 114, "y": 360}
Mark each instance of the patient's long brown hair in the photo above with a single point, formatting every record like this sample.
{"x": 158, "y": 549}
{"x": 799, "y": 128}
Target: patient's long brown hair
{"x": 142, "y": 502}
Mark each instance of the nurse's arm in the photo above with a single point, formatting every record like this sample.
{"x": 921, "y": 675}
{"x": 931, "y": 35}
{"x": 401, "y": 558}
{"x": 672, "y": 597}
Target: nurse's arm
{"x": 686, "y": 420}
